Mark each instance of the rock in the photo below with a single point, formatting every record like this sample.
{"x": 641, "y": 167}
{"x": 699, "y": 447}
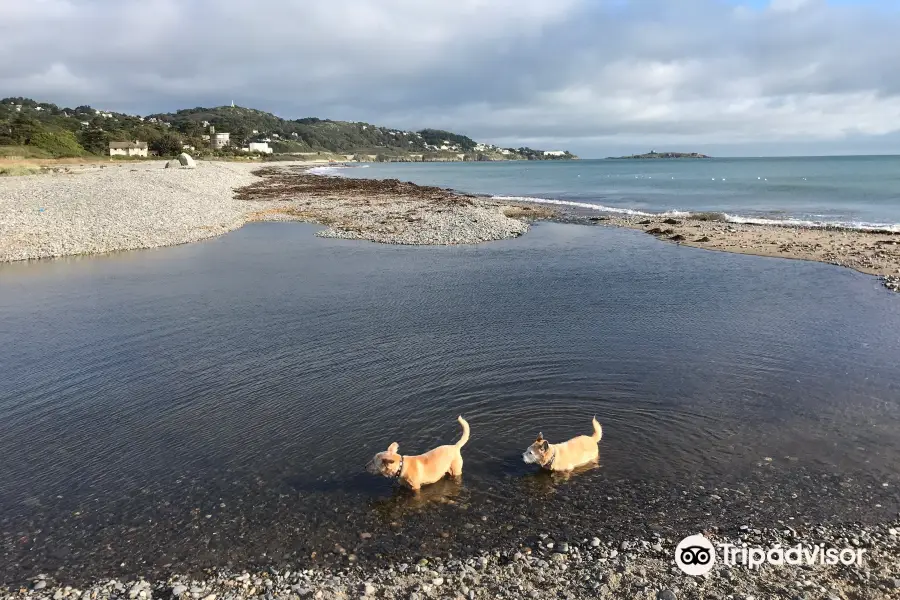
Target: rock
{"x": 671, "y": 221}
{"x": 657, "y": 547}
{"x": 563, "y": 547}
{"x": 624, "y": 546}
{"x": 892, "y": 531}
{"x": 613, "y": 553}
{"x": 437, "y": 581}
{"x": 178, "y": 590}
{"x": 558, "y": 558}
{"x": 706, "y": 239}
{"x": 644, "y": 222}
{"x": 595, "y": 542}
{"x": 666, "y": 595}
{"x": 368, "y": 589}
{"x": 39, "y": 585}
{"x": 677, "y": 238}
{"x": 365, "y": 535}
{"x": 186, "y": 161}
{"x": 58, "y": 595}
{"x": 892, "y": 584}
{"x": 173, "y": 164}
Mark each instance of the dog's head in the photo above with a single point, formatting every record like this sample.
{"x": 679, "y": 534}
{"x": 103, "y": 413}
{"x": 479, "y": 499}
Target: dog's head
{"x": 385, "y": 463}
{"x": 538, "y": 452}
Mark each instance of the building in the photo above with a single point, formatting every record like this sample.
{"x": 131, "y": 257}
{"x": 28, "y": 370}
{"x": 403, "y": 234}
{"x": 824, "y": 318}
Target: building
{"x": 128, "y": 148}
{"x": 219, "y": 140}
{"x": 260, "y": 147}
{"x": 555, "y": 153}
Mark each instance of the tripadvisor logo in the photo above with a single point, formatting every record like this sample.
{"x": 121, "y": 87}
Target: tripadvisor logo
{"x": 696, "y": 555}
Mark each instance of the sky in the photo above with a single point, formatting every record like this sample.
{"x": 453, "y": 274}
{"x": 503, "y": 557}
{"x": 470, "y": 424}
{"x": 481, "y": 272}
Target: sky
{"x": 596, "y": 77}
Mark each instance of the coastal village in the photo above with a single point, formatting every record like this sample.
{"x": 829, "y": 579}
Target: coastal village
{"x": 32, "y": 129}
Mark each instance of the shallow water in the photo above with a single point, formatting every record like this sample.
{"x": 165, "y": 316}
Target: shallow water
{"x": 853, "y": 191}
{"x": 218, "y": 401}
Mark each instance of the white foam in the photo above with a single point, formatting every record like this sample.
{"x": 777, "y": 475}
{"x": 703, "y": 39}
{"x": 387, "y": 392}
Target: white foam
{"x": 332, "y": 171}
{"x": 858, "y": 225}
{"x": 597, "y": 207}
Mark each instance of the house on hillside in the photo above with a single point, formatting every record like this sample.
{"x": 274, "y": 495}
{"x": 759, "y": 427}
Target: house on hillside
{"x": 128, "y": 148}
{"x": 554, "y": 153}
{"x": 260, "y": 147}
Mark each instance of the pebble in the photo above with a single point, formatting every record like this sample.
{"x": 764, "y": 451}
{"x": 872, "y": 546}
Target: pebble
{"x": 595, "y": 542}
{"x": 178, "y": 590}
{"x": 39, "y": 585}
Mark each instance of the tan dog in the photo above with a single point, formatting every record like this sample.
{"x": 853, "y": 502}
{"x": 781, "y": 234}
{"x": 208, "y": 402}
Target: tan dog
{"x": 416, "y": 471}
{"x": 567, "y": 455}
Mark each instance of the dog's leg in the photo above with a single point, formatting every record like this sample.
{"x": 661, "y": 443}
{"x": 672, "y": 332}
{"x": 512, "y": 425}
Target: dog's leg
{"x": 456, "y": 467}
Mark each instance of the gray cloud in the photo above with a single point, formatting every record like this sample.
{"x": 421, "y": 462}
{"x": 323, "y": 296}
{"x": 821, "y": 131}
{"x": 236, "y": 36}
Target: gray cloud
{"x": 590, "y": 75}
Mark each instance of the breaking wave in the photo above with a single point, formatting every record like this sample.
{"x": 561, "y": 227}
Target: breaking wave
{"x": 715, "y": 216}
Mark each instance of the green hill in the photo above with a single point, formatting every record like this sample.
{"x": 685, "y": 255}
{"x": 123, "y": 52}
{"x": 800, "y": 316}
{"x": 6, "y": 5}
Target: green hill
{"x": 45, "y": 129}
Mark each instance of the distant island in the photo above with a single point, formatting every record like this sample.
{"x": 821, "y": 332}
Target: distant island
{"x": 32, "y": 129}
{"x": 654, "y": 154}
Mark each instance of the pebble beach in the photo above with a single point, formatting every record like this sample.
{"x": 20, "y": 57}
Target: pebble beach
{"x": 95, "y": 209}
{"x": 542, "y": 567}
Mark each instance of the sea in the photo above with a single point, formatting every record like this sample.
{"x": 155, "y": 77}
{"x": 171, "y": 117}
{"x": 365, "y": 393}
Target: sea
{"x": 850, "y": 191}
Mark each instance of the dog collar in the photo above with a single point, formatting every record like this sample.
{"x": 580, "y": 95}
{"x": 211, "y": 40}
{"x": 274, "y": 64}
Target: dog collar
{"x": 400, "y": 470}
{"x": 549, "y": 465}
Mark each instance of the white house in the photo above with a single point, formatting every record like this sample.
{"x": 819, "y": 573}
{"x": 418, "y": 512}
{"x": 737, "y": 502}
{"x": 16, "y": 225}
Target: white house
{"x": 554, "y": 153}
{"x": 260, "y": 147}
{"x": 128, "y": 148}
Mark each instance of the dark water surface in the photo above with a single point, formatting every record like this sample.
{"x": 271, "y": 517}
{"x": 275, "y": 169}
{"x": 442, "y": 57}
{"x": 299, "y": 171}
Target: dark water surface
{"x": 216, "y": 403}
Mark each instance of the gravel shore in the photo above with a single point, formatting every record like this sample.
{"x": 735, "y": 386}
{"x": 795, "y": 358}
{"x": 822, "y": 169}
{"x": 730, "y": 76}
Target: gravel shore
{"x": 92, "y": 209}
{"x": 98, "y": 208}
{"x": 385, "y": 211}
{"x": 543, "y": 567}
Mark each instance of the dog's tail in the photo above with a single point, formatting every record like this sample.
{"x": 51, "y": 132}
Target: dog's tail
{"x": 598, "y": 431}
{"x": 465, "y": 436}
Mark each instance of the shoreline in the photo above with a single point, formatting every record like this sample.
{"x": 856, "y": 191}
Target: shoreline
{"x": 539, "y": 567}
{"x": 91, "y": 209}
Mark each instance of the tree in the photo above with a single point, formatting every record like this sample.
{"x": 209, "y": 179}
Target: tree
{"x": 168, "y": 144}
{"x": 95, "y": 141}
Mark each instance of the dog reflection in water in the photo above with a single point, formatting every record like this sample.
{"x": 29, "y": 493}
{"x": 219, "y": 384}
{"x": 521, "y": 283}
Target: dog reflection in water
{"x": 422, "y": 469}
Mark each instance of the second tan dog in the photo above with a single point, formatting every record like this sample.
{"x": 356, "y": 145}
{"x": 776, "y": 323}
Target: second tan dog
{"x": 567, "y": 455}
{"x": 416, "y": 471}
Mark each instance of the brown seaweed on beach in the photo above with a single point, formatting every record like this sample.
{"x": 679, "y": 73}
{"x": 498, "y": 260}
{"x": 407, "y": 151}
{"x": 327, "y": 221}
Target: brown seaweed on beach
{"x": 279, "y": 184}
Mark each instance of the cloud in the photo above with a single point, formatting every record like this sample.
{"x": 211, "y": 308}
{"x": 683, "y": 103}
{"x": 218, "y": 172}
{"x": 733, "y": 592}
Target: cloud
{"x": 587, "y": 74}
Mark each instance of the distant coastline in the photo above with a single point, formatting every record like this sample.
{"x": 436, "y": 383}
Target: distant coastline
{"x": 657, "y": 155}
